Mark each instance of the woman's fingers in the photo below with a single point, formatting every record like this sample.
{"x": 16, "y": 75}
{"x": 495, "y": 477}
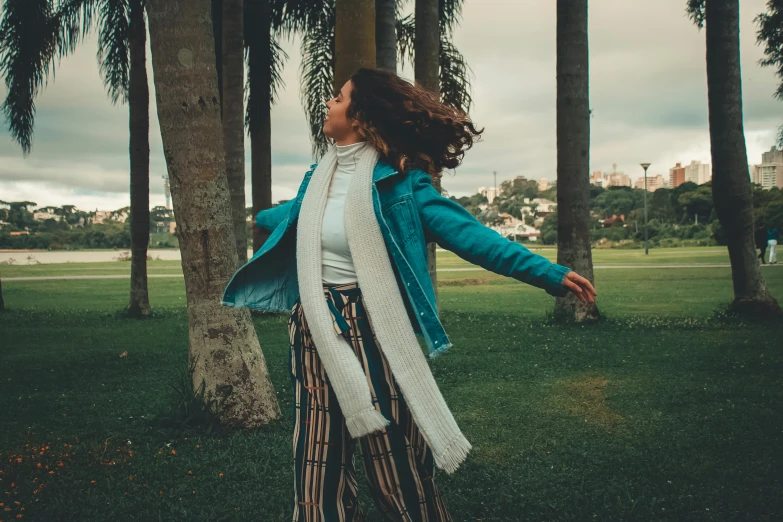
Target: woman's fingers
{"x": 583, "y": 282}
{"x": 581, "y": 287}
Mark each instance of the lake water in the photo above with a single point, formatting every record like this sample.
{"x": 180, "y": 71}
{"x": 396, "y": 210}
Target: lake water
{"x": 32, "y": 257}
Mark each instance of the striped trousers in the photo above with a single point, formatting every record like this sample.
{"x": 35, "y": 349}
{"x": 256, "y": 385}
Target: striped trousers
{"x": 398, "y": 463}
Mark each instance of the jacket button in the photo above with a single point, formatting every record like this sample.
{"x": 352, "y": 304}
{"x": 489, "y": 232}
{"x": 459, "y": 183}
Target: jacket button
{"x": 436, "y": 342}
{"x": 422, "y": 313}
{"x": 409, "y": 284}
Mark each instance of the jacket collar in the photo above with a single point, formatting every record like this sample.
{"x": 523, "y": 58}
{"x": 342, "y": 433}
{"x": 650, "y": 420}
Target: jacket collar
{"x": 382, "y": 170}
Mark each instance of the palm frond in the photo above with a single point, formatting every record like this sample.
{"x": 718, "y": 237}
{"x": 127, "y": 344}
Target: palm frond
{"x": 290, "y": 16}
{"x": 114, "y": 48}
{"x": 277, "y": 60}
{"x": 317, "y": 73}
{"x": 780, "y": 137}
{"x": 75, "y": 19}
{"x": 770, "y": 33}
{"x": 29, "y": 40}
{"x": 449, "y": 15}
{"x": 406, "y": 33}
{"x": 455, "y": 73}
{"x": 695, "y": 11}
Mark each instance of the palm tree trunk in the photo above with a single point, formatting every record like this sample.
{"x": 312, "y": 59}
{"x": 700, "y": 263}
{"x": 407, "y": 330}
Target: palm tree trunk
{"x": 2, "y": 303}
{"x": 223, "y": 343}
{"x": 386, "y": 34}
{"x": 573, "y": 154}
{"x": 731, "y": 189}
{"x": 233, "y": 52}
{"x": 426, "y": 51}
{"x": 139, "y": 114}
{"x": 354, "y": 38}
{"x": 259, "y": 68}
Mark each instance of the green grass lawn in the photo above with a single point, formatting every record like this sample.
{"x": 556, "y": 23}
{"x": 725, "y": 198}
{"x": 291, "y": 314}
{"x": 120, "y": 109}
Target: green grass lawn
{"x": 662, "y": 411}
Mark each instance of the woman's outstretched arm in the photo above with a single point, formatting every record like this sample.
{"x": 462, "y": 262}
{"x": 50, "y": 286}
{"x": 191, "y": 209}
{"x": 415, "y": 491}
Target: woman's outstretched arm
{"x": 451, "y": 226}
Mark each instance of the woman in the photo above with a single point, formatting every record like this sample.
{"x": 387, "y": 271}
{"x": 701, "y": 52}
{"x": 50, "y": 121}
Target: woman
{"x": 348, "y": 258}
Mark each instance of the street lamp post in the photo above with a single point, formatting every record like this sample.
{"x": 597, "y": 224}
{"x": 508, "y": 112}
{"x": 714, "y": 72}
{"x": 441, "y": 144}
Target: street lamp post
{"x": 646, "y": 249}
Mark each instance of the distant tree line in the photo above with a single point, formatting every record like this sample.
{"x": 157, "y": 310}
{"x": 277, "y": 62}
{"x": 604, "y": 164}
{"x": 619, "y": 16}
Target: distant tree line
{"x": 682, "y": 216}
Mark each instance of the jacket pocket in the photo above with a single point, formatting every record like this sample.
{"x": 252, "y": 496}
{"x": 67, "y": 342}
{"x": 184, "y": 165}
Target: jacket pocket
{"x": 402, "y": 219}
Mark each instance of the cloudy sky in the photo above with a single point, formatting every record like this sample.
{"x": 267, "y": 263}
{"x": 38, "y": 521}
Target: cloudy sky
{"x": 647, "y": 91}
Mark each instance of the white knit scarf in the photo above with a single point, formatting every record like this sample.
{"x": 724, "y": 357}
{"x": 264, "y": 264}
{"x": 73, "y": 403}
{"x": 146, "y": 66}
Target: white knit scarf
{"x": 384, "y": 304}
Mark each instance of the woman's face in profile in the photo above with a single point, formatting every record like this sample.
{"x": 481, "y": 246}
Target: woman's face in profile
{"x": 337, "y": 125}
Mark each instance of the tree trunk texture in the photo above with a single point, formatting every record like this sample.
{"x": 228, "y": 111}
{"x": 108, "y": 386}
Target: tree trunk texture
{"x": 386, "y": 34}
{"x": 354, "y": 38}
{"x": 139, "y": 145}
{"x": 2, "y": 303}
{"x": 222, "y": 341}
{"x": 259, "y": 106}
{"x": 426, "y": 51}
{"x": 731, "y": 190}
{"x": 233, "y": 62}
{"x": 573, "y": 154}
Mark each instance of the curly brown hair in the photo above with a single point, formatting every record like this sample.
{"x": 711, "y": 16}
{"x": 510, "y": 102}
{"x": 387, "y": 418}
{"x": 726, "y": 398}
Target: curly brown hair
{"x": 408, "y": 124}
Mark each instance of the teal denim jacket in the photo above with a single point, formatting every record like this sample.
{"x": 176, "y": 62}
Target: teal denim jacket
{"x": 411, "y": 213}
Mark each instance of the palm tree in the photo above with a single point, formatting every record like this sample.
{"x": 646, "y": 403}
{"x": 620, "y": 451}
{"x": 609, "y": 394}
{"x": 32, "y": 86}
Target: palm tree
{"x": 573, "y": 154}
{"x": 731, "y": 190}
{"x": 232, "y": 71}
{"x": 33, "y": 33}
{"x": 259, "y": 51}
{"x": 386, "y": 34}
{"x": 426, "y": 49}
{"x": 223, "y": 344}
{"x": 354, "y": 38}
{"x": 769, "y": 33}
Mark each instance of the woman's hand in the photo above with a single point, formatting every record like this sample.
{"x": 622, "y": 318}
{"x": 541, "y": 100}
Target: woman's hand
{"x": 580, "y": 287}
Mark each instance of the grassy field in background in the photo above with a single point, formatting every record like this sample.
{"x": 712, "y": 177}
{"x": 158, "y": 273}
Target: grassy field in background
{"x": 662, "y": 411}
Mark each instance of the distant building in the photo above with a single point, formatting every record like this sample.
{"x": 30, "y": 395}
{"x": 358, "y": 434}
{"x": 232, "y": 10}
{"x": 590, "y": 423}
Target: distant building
{"x": 772, "y": 156}
{"x": 544, "y": 207}
{"x": 513, "y": 228}
{"x": 653, "y": 183}
{"x": 172, "y": 227}
{"x": 519, "y": 182}
{"x": 614, "y": 221}
{"x": 617, "y": 179}
{"x": 543, "y": 184}
{"x": 43, "y": 215}
{"x": 698, "y": 172}
{"x": 5, "y": 206}
{"x": 101, "y": 216}
{"x": 769, "y": 173}
{"x": 597, "y": 178}
{"x": 491, "y": 194}
{"x": 676, "y": 176}
{"x": 120, "y": 215}
{"x": 768, "y": 176}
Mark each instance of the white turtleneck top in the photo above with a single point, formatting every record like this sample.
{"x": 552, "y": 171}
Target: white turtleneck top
{"x": 337, "y": 264}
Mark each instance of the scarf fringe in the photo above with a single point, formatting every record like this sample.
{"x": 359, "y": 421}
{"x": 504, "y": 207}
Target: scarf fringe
{"x": 454, "y": 455}
{"x": 365, "y": 422}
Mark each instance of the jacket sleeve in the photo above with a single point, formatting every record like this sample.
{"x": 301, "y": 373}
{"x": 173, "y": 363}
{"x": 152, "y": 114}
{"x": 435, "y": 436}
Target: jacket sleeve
{"x": 451, "y": 226}
{"x": 271, "y": 217}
